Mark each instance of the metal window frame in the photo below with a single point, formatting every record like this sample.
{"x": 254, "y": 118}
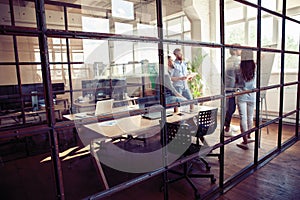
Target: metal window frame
{"x": 42, "y": 33}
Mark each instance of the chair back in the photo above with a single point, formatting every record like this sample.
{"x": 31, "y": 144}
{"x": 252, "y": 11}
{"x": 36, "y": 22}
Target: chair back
{"x": 207, "y": 122}
{"x": 179, "y": 137}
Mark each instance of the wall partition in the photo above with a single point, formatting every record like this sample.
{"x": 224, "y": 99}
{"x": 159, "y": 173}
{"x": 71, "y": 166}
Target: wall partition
{"x": 111, "y": 74}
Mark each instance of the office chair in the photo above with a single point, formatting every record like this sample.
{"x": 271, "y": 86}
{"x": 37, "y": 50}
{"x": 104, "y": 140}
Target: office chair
{"x": 179, "y": 138}
{"x": 207, "y": 124}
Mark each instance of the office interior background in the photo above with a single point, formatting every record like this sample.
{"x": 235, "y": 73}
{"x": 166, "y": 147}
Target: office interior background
{"x": 59, "y": 58}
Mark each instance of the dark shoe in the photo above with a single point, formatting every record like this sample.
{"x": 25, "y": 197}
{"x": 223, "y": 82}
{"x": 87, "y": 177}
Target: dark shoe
{"x": 243, "y": 146}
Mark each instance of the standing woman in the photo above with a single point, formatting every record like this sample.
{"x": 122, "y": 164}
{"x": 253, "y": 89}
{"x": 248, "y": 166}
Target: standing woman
{"x": 246, "y": 80}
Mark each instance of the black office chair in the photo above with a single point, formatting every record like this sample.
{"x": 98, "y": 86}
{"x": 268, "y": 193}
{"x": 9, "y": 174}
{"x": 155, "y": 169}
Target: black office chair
{"x": 207, "y": 124}
{"x": 179, "y": 141}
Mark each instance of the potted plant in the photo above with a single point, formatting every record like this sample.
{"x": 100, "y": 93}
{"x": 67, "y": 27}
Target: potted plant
{"x": 196, "y": 84}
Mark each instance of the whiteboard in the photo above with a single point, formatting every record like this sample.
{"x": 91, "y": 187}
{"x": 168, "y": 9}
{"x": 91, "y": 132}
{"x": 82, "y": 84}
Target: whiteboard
{"x": 267, "y": 61}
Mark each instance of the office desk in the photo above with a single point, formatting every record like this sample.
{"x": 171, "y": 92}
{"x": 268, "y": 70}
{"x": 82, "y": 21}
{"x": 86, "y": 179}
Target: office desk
{"x": 133, "y": 125}
{"x": 30, "y": 116}
{"x": 90, "y": 107}
{"x": 82, "y": 115}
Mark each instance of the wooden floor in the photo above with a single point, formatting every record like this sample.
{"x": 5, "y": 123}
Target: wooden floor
{"x": 32, "y": 177}
{"x": 279, "y": 179}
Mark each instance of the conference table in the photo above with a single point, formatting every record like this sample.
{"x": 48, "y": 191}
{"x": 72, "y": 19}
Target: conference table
{"x": 135, "y": 126}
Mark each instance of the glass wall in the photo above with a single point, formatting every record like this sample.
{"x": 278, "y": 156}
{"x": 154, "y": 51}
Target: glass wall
{"x": 113, "y": 80}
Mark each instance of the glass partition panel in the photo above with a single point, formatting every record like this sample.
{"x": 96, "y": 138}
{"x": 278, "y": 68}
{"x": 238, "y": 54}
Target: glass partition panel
{"x": 288, "y": 128}
{"x": 292, "y": 9}
{"x": 55, "y": 18}
{"x": 24, "y": 13}
{"x": 270, "y": 31}
{"x": 291, "y": 67}
{"x": 117, "y": 16}
{"x": 274, "y": 5}
{"x": 240, "y": 24}
{"x": 57, "y": 50}
{"x": 292, "y": 36}
{"x": 7, "y": 50}
{"x": 27, "y": 155}
{"x": 197, "y": 19}
{"x": 10, "y": 99}
{"x": 268, "y": 138}
{"x": 5, "y": 13}
{"x": 28, "y": 49}
{"x": 269, "y": 104}
{"x": 289, "y": 104}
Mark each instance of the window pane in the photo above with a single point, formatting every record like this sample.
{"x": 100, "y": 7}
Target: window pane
{"x": 28, "y": 49}
{"x": 268, "y": 137}
{"x": 57, "y": 50}
{"x": 96, "y": 16}
{"x": 272, "y": 4}
{"x": 54, "y": 17}
{"x": 233, "y": 11}
{"x": 24, "y": 13}
{"x": 235, "y": 33}
{"x": 270, "y": 69}
{"x": 31, "y": 74}
{"x": 292, "y": 36}
{"x": 200, "y": 17}
{"x": 8, "y": 75}
{"x": 291, "y": 67}
{"x": 252, "y": 33}
{"x": 7, "y": 49}
{"x": 292, "y": 9}
{"x": 4, "y": 13}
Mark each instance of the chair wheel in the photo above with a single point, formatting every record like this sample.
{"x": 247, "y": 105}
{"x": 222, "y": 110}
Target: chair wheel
{"x": 213, "y": 180}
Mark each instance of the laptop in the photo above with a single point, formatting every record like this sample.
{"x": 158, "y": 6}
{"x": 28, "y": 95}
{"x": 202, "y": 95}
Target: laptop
{"x": 156, "y": 115}
{"x": 104, "y": 107}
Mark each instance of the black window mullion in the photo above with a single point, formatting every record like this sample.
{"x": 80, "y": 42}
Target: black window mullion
{"x": 222, "y": 148}
{"x": 281, "y": 102}
{"x": 258, "y": 100}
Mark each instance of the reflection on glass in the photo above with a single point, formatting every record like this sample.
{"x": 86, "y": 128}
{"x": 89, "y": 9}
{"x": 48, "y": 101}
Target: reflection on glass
{"x": 288, "y": 128}
{"x": 235, "y": 33}
{"x": 268, "y": 137}
{"x": 291, "y": 6}
{"x": 31, "y": 74}
{"x": 117, "y": 16}
{"x": 290, "y": 99}
{"x": 122, "y": 9}
{"x": 24, "y": 13}
{"x": 57, "y": 50}
{"x": 197, "y": 18}
{"x": 241, "y": 24}
{"x": 292, "y": 36}
{"x": 8, "y": 75}
{"x": 7, "y": 49}
{"x": 234, "y": 11}
{"x": 291, "y": 62}
{"x": 28, "y": 49}
{"x": 5, "y": 13}
{"x": 91, "y": 24}
{"x": 275, "y": 5}
{"x": 269, "y": 69}
{"x": 54, "y": 17}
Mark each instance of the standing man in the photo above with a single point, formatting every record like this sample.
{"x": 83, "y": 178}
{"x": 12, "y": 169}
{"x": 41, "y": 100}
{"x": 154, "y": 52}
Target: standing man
{"x": 179, "y": 75}
{"x": 232, "y": 64}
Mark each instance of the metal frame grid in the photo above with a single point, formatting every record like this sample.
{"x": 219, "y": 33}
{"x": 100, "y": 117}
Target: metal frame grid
{"x": 42, "y": 33}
